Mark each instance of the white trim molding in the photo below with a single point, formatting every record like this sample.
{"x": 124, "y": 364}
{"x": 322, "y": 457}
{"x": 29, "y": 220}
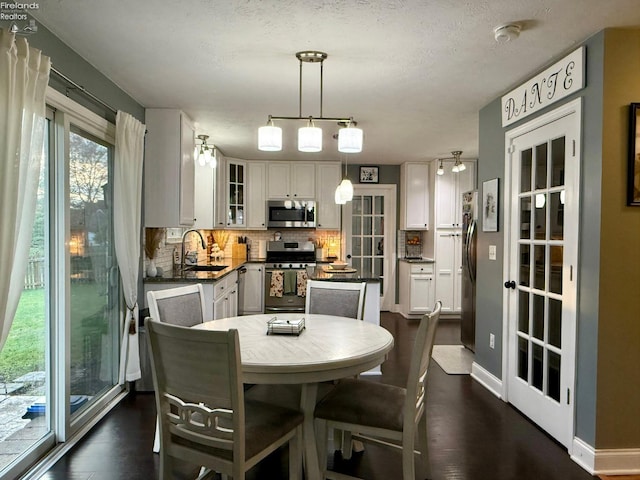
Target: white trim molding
{"x": 487, "y": 379}
{"x": 621, "y": 461}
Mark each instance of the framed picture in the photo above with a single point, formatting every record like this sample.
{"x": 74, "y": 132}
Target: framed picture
{"x": 368, "y": 174}
{"x": 490, "y": 205}
{"x": 633, "y": 178}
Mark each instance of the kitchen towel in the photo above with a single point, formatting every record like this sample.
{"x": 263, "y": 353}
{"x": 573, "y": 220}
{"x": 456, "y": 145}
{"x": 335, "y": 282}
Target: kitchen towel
{"x": 290, "y": 281}
{"x": 275, "y": 289}
{"x": 301, "y": 283}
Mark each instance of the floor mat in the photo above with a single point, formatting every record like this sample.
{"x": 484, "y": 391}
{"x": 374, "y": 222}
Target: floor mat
{"x": 453, "y": 359}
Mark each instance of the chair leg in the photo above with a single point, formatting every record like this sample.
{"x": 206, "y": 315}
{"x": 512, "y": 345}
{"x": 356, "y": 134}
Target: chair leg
{"x": 423, "y": 446}
{"x": 347, "y": 445}
{"x": 408, "y": 462}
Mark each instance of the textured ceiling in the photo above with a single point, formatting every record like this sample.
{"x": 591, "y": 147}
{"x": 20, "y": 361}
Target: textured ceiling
{"x": 414, "y": 74}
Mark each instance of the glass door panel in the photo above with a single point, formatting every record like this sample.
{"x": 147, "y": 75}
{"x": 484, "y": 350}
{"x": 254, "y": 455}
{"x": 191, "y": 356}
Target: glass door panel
{"x": 93, "y": 304}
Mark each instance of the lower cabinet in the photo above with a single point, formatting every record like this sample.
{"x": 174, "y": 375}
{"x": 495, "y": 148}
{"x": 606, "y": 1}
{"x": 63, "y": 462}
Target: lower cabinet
{"x": 251, "y": 292}
{"x": 225, "y": 297}
{"x": 417, "y": 288}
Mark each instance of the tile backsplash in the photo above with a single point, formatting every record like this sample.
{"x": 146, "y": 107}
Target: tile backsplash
{"x": 165, "y": 252}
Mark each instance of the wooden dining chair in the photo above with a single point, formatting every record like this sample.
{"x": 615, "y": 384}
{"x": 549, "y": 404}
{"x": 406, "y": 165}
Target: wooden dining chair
{"x": 183, "y": 306}
{"x": 204, "y": 418}
{"x": 343, "y": 299}
{"x": 381, "y": 413}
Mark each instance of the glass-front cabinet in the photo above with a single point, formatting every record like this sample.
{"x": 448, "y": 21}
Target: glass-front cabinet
{"x": 236, "y": 190}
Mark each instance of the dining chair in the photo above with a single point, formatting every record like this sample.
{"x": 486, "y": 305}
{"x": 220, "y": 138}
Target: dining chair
{"x": 183, "y": 306}
{"x": 381, "y": 413}
{"x": 343, "y": 299}
{"x": 204, "y": 417}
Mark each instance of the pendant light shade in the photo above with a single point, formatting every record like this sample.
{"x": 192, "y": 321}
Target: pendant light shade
{"x": 338, "y": 196}
{"x": 440, "y": 170}
{"x": 270, "y": 137}
{"x": 310, "y": 138}
{"x": 350, "y": 139}
{"x": 346, "y": 190}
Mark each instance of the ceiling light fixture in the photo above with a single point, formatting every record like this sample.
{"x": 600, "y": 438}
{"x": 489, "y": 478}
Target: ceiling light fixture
{"x": 206, "y": 154}
{"x": 344, "y": 191}
{"x": 507, "y": 33}
{"x": 440, "y": 170}
{"x": 310, "y": 136}
{"x": 458, "y": 166}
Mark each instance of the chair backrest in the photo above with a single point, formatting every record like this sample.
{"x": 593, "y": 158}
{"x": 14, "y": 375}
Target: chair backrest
{"x": 182, "y": 306}
{"x": 344, "y": 299}
{"x": 420, "y": 358}
{"x": 198, "y": 381}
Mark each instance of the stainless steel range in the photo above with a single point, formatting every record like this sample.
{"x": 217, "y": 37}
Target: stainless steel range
{"x": 284, "y": 262}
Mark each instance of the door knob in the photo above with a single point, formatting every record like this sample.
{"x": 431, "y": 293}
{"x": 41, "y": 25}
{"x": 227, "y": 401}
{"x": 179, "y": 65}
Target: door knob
{"x": 349, "y": 256}
{"x": 510, "y": 284}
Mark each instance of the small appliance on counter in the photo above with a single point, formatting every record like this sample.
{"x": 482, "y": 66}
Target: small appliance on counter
{"x": 413, "y": 245}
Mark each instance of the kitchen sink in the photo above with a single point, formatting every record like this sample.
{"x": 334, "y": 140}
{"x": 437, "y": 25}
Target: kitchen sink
{"x": 205, "y": 268}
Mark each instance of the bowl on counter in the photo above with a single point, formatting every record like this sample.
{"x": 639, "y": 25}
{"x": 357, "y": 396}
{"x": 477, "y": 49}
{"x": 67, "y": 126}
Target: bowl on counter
{"x": 338, "y": 265}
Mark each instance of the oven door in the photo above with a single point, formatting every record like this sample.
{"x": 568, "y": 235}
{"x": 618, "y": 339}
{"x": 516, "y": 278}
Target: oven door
{"x": 288, "y": 302}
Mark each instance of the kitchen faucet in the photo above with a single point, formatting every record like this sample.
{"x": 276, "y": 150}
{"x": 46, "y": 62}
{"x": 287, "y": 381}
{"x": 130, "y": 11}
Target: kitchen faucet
{"x": 184, "y": 235}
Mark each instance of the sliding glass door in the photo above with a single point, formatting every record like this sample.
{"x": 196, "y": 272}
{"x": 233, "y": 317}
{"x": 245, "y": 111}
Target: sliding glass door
{"x": 59, "y": 367}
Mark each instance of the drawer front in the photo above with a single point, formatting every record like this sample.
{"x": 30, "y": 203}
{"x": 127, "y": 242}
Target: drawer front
{"x": 421, "y": 268}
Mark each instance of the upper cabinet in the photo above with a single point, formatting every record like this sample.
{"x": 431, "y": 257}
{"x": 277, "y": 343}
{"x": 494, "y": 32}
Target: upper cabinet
{"x": 414, "y": 200}
{"x": 327, "y": 179}
{"x": 449, "y": 189}
{"x": 256, "y": 195}
{"x": 169, "y": 156}
{"x": 204, "y": 192}
{"x": 289, "y": 180}
{"x": 236, "y": 193}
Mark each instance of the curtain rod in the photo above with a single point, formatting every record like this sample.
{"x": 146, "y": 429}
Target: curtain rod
{"x": 83, "y": 90}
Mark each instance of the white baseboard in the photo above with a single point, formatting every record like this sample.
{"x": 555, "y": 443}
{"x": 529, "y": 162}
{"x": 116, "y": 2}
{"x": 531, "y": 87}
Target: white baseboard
{"x": 486, "y": 379}
{"x": 622, "y": 461}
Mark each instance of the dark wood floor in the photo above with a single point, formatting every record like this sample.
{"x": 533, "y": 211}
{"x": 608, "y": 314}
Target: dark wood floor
{"x": 472, "y": 434}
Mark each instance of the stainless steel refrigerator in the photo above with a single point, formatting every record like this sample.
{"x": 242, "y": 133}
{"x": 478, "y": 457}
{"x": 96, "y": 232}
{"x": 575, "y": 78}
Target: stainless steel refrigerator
{"x": 468, "y": 291}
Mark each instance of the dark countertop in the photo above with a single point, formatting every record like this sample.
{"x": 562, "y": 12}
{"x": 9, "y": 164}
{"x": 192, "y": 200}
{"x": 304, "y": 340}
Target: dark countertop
{"x": 200, "y": 277}
{"x": 418, "y": 260}
{"x": 320, "y": 273}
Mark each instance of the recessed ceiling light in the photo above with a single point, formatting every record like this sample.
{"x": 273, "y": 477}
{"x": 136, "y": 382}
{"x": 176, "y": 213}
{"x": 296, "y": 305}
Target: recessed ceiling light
{"x": 507, "y": 33}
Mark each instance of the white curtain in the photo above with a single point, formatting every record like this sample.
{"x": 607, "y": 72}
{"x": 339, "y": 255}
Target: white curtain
{"x": 24, "y": 75}
{"x": 127, "y": 208}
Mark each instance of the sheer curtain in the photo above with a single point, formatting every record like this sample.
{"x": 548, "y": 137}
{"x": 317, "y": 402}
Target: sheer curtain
{"x": 23, "y": 82}
{"x": 127, "y": 208}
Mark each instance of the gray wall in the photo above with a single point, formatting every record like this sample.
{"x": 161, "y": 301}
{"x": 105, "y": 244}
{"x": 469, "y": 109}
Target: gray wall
{"x": 80, "y": 71}
{"x": 490, "y": 273}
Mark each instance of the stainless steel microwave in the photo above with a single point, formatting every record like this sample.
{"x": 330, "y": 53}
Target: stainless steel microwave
{"x": 291, "y": 213}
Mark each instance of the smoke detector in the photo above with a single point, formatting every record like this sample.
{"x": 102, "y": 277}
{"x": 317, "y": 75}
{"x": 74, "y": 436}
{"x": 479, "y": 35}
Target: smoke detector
{"x": 507, "y": 33}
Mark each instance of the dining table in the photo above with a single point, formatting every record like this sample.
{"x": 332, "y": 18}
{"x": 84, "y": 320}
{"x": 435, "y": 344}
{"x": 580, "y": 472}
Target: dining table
{"x": 328, "y": 348}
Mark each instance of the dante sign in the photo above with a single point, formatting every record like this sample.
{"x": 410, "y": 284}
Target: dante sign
{"x": 556, "y": 82}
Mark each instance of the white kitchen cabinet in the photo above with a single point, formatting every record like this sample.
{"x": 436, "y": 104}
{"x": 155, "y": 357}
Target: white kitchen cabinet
{"x": 236, "y": 193}
{"x": 169, "y": 169}
{"x": 205, "y": 190}
{"x": 449, "y": 189}
{"x": 328, "y": 177}
{"x": 225, "y": 296}
{"x": 220, "y": 193}
{"x": 256, "y": 196}
{"x": 448, "y": 256}
{"x": 414, "y": 199}
{"x": 289, "y": 180}
{"x": 252, "y": 280}
{"x": 416, "y": 288}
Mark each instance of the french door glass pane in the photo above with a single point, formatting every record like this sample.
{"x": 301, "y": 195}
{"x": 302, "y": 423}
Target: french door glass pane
{"x": 367, "y": 235}
{"x": 525, "y": 170}
{"x": 93, "y": 302}
{"x": 24, "y": 371}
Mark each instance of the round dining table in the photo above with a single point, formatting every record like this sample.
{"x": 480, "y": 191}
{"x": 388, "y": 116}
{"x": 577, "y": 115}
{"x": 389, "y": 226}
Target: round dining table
{"x": 328, "y": 348}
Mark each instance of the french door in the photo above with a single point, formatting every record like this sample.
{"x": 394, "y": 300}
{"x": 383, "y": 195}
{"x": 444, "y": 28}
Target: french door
{"x": 370, "y": 243}
{"x": 543, "y": 180}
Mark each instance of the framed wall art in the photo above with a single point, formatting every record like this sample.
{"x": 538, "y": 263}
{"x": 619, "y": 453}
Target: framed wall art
{"x": 368, "y": 174}
{"x": 490, "y": 205}
{"x": 633, "y": 178}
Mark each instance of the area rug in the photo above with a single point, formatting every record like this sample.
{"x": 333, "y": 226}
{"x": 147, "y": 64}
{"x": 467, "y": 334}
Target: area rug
{"x": 453, "y": 359}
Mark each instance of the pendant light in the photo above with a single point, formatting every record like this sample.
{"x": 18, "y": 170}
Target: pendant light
{"x": 204, "y": 153}
{"x": 270, "y": 137}
{"x": 440, "y": 170}
{"x": 458, "y": 166}
{"x": 310, "y": 138}
{"x": 344, "y": 191}
{"x": 350, "y": 138}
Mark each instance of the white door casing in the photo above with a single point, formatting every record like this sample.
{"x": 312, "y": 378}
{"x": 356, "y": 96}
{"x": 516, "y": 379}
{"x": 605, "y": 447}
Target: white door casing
{"x": 542, "y": 178}
{"x": 372, "y": 219}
